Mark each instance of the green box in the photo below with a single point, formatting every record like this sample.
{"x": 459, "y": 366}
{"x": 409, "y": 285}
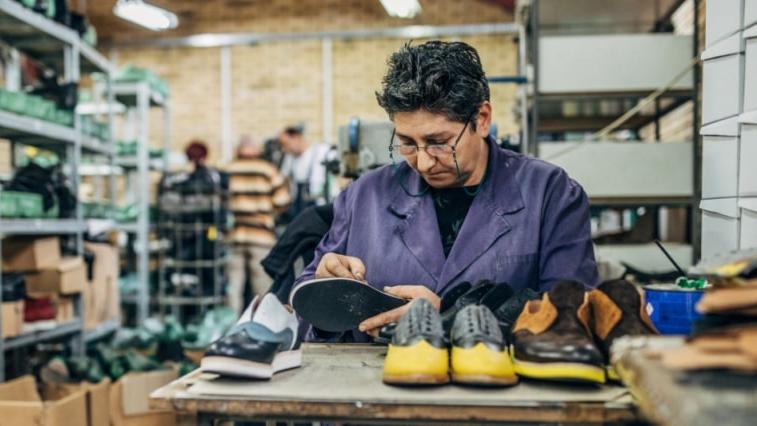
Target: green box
{"x": 23, "y": 204}
{"x": 13, "y": 101}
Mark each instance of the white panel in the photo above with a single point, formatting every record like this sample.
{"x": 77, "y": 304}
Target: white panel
{"x": 723, "y": 18}
{"x": 617, "y": 169}
{"x": 748, "y": 223}
{"x": 612, "y": 63}
{"x": 719, "y": 166}
{"x": 747, "y": 163}
{"x": 720, "y": 232}
{"x": 647, "y": 257}
{"x": 750, "y": 13}
{"x": 750, "y": 76}
{"x": 721, "y": 88}
{"x": 727, "y": 127}
{"x": 725, "y": 47}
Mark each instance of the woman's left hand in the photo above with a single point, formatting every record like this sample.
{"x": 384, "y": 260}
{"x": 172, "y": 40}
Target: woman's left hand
{"x": 410, "y": 292}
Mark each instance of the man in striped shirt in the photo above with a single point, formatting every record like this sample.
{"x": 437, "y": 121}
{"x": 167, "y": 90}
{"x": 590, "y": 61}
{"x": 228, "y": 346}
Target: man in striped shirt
{"x": 258, "y": 193}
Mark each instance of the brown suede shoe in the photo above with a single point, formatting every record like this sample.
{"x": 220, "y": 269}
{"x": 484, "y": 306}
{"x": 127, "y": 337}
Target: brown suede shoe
{"x": 618, "y": 309}
{"x": 552, "y": 338}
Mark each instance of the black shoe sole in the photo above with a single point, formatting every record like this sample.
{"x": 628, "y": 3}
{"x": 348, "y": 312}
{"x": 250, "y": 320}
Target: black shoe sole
{"x": 340, "y": 304}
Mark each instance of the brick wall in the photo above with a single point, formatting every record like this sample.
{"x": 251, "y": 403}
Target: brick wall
{"x": 277, "y": 83}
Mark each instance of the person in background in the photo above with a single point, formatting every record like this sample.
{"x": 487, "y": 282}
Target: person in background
{"x": 258, "y": 193}
{"x": 197, "y": 153}
{"x": 303, "y": 165}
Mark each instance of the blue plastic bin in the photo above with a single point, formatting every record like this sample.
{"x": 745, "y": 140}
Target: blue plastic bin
{"x": 671, "y": 308}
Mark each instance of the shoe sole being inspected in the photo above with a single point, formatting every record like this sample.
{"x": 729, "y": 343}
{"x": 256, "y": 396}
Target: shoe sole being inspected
{"x": 236, "y": 367}
{"x": 560, "y": 371}
{"x": 340, "y": 304}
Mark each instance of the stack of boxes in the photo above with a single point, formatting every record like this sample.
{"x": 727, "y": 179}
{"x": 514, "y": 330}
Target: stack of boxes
{"x": 729, "y": 127}
{"x": 51, "y": 281}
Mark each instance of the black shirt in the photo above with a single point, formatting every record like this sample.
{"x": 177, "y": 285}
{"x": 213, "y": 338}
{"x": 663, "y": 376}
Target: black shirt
{"x": 452, "y": 205}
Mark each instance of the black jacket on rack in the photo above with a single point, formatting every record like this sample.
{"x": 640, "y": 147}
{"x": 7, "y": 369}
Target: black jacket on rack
{"x": 300, "y": 239}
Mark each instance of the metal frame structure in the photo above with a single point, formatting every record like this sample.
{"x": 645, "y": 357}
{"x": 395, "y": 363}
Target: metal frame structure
{"x": 58, "y": 48}
{"x": 141, "y": 98}
{"x": 531, "y": 15}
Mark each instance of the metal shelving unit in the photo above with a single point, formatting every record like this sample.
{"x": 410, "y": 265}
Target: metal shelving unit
{"x": 58, "y": 48}
{"x": 139, "y": 98}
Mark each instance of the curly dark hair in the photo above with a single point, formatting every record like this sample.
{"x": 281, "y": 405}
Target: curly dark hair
{"x": 440, "y": 77}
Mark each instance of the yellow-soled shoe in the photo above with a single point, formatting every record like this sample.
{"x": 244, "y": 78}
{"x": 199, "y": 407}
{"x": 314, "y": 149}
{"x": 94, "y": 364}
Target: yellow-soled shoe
{"x": 479, "y": 355}
{"x": 418, "y": 353}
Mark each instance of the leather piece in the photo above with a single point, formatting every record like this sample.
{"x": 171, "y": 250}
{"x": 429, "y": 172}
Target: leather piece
{"x": 537, "y": 316}
{"x": 584, "y": 314}
{"x": 727, "y": 299}
{"x": 605, "y": 313}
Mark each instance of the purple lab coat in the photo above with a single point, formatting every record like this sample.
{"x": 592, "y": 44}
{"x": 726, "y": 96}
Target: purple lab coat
{"x": 528, "y": 226}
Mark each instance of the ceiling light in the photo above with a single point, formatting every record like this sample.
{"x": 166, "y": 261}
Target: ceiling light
{"x": 146, "y": 15}
{"x": 401, "y": 8}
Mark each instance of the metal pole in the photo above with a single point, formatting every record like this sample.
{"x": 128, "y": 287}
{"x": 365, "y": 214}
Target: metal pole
{"x": 143, "y": 220}
{"x": 328, "y": 90}
{"x": 696, "y": 213}
{"x": 226, "y": 134}
{"x": 534, "y": 31}
{"x": 523, "y": 88}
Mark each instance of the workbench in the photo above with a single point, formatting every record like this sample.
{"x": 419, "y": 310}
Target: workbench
{"x": 668, "y": 397}
{"x": 339, "y": 382}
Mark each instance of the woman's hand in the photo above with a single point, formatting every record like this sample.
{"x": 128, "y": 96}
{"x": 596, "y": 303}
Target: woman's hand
{"x": 410, "y": 292}
{"x": 334, "y": 265}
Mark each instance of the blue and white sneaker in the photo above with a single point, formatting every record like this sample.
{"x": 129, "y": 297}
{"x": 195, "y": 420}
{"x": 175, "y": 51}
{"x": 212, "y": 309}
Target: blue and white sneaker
{"x": 263, "y": 342}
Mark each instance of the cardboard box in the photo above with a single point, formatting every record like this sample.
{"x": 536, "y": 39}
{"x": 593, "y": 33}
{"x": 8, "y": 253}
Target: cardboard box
{"x": 747, "y": 155}
{"x": 723, "y": 17}
{"x": 720, "y": 226}
{"x": 13, "y": 318}
{"x": 750, "y": 70}
{"x": 722, "y": 80}
{"x": 30, "y": 254}
{"x": 68, "y": 277}
{"x": 131, "y": 394}
{"x": 21, "y": 405}
{"x": 101, "y": 296}
{"x": 97, "y": 397}
{"x": 64, "y": 309}
{"x": 748, "y": 208}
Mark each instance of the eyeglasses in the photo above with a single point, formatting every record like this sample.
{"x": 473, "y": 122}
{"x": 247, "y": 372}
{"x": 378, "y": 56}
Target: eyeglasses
{"x": 433, "y": 150}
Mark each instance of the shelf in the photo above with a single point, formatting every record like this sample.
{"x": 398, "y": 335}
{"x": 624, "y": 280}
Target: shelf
{"x": 27, "y": 339}
{"x": 41, "y": 226}
{"x": 185, "y": 300}
{"x": 92, "y": 145}
{"x": 93, "y": 61}
{"x": 126, "y": 93}
{"x": 128, "y": 227}
{"x": 36, "y": 35}
{"x": 33, "y": 131}
{"x": 172, "y": 263}
{"x": 102, "y": 330}
{"x": 98, "y": 226}
{"x": 45, "y": 40}
{"x": 130, "y": 162}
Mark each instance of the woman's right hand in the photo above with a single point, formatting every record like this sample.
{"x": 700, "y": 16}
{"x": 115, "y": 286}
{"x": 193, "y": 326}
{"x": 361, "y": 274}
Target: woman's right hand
{"x": 333, "y": 265}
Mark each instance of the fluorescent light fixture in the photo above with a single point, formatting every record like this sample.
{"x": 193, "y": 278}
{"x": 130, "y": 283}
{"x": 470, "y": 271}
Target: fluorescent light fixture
{"x": 146, "y": 15}
{"x": 401, "y": 8}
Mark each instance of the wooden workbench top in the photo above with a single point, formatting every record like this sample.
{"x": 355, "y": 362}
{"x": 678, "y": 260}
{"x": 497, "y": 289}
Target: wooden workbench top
{"x": 344, "y": 382}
